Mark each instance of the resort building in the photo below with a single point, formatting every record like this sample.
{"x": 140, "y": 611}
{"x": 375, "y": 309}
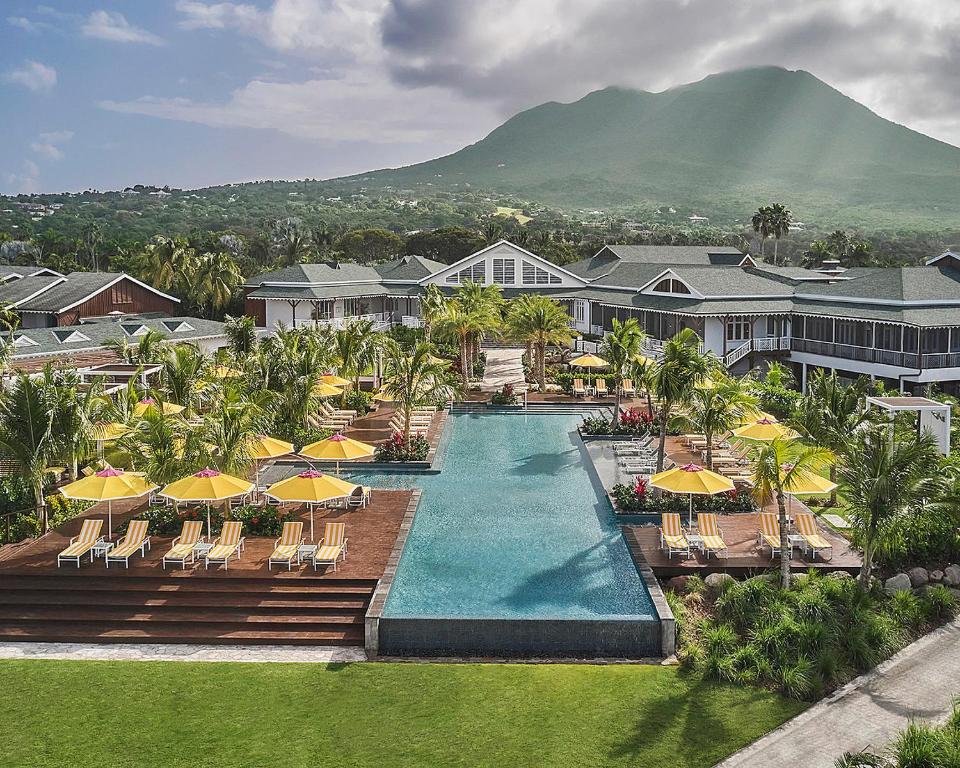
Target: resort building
{"x": 899, "y": 324}
{"x": 44, "y": 298}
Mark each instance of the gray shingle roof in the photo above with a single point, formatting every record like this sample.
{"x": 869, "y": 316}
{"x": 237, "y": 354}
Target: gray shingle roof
{"x": 409, "y": 268}
{"x": 325, "y": 272}
{"x": 896, "y": 284}
{"x": 614, "y": 257}
{"x": 77, "y": 287}
{"x": 14, "y": 291}
{"x": 326, "y": 292}
{"x": 92, "y": 336}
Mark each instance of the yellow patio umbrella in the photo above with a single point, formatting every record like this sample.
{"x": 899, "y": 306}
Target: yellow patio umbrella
{"x": 383, "y": 397}
{"x": 766, "y": 430}
{"x": 694, "y": 480}
{"x": 326, "y": 390}
{"x": 168, "y": 409}
{"x": 338, "y": 448}
{"x": 434, "y": 360}
{"x": 589, "y": 361}
{"x": 109, "y": 430}
{"x": 224, "y": 372}
{"x": 107, "y": 485}
{"x": 752, "y": 414}
{"x": 806, "y": 483}
{"x": 265, "y": 447}
{"x": 335, "y": 381}
{"x": 207, "y": 485}
{"x": 644, "y": 360}
{"x": 311, "y": 487}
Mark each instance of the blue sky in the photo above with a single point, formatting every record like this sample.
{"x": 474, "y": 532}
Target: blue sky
{"x": 104, "y": 94}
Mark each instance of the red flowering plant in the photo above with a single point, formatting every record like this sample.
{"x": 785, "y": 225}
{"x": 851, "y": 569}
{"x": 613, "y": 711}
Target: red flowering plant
{"x": 398, "y": 449}
{"x": 506, "y": 396}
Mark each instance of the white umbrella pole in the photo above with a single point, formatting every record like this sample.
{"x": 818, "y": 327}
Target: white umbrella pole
{"x": 109, "y": 519}
{"x": 209, "y": 531}
{"x": 312, "y": 539}
{"x": 690, "y": 513}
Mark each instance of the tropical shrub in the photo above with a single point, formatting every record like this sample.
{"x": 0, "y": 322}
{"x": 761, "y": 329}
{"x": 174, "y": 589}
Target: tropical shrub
{"x": 15, "y": 494}
{"x": 261, "y": 520}
{"x": 299, "y": 435}
{"x": 398, "y": 449}
{"x": 919, "y": 745}
{"x": 359, "y": 401}
{"x": 803, "y": 641}
{"x": 506, "y": 396}
{"x": 636, "y": 498}
{"x": 633, "y": 421}
{"x": 167, "y": 521}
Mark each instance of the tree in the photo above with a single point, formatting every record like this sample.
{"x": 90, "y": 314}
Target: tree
{"x": 492, "y": 232}
{"x": 77, "y": 411}
{"x": 446, "y": 244}
{"x": 883, "y": 479}
{"x": 231, "y": 424}
{"x": 367, "y": 246}
{"x": 242, "y": 333}
{"x": 92, "y": 239}
{"x": 831, "y": 412}
{"x": 780, "y": 221}
{"x": 762, "y": 225}
{"x": 674, "y": 377}
{"x": 181, "y": 376}
{"x": 432, "y": 305}
{"x": 474, "y": 311}
{"x": 166, "y": 264}
{"x": 150, "y": 348}
{"x": 293, "y": 247}
{"x": 415, "y": 379}
{"x": 27, "y": 416}
{"x": 778, "y": 466}
{"x": 621, "y": 347}
{"x": 717, "y": 409}
{"x": 216, "y": 279}
{"x": 484, "y": 302}
{"x": 539, "y": 322}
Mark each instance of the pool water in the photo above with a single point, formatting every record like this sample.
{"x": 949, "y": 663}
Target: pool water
{"x": 513, "y": 526}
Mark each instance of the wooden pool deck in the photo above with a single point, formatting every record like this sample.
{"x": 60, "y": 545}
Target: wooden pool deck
{"x": 743, "y": 557}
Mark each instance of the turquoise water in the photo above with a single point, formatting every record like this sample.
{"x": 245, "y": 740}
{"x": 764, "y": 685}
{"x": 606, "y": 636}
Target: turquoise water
{"x": 513, "y": 527}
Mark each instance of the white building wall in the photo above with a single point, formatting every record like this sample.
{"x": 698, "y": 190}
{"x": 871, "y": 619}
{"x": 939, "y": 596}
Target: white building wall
{"x": 279, "y": 312}
{"x": 713, "y": 335}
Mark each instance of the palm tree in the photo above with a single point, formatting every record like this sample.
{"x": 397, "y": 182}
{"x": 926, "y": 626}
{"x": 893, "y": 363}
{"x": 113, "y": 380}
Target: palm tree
{"x": 166, "y": 262}
{"x": 242, "y": 333}
{"x": 181, "y": 376}
{"x": 762, "y": 225}
{"x": 492, "y": 232}
{"x": 718, "y": 409}
{"x": 293, "y": 247}
{"x": 485, "y": 303}
{"x": 164, "y": 447}
{"x": 620, "y": 348}
{"x": 780, "y": 221}
{"x": 539, "y": 321}
{"x": 883, "y": 480}
{"x": 642, "y": 372}
{"x": 231, "y": 424}
{"x": 778, "y": 466}
{"x": 149, "y": 349}
{"x": 216, "y": 279}
{"x": 815, "y": 254}
{"x": 77, "y": 411}
{"x": 831, "y": 412}
{"x": 431, "y": 307}
{"x": 415, "y": 378}
{"x": 27, "y": 417}
{"x": 674, "y": 377}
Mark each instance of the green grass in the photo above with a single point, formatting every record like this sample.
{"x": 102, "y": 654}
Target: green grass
{"x": 171, "y": 714}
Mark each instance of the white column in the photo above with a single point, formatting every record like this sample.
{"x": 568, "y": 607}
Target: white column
{"x": 803, "y": 378}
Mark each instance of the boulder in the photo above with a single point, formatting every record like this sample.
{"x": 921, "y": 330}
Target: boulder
{"x": 840, "y": 575}
{"x": 717, "y": 581}
{"x": 898, "y": 583}
{"x": 951, "y": 575}
{"x": 936, "y": 577}
{"x": 678, "y": 584}
{"x": 918, "y": 577}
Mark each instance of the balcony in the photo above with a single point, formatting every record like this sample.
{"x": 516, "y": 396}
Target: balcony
{"x": 871, "y": 355}
{"x": 381, "y": 321}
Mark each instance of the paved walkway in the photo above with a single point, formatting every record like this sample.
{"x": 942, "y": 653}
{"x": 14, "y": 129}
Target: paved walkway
{"x": 921, "y": 682}
{"x": 504, "y": 366}
{"x": 170, "y": 652}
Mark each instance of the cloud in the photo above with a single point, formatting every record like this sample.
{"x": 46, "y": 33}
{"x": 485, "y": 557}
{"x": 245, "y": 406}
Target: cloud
{"x": 33, "y": 75}
{"x": 25, "y": 181}
{"x": 113, "y": 26}
{"x": 336, "y": 110}
{"x": 47, "y": 145}
{"x": 22, "y": 22}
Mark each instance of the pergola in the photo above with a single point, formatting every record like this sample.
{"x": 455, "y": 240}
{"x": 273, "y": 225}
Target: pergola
{"x": 934, "y": 417}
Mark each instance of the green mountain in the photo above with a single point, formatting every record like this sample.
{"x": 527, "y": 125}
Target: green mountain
{"x": 719, "y": 146}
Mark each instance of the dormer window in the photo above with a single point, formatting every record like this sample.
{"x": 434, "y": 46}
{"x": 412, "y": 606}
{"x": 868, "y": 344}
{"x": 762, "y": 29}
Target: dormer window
{"x": 476, "y": 273}
{"x": 24, "y": 341}
{"x": 70, "y": 337}
{"x": 533, "y": 275}
{"x": 671, "y": 285}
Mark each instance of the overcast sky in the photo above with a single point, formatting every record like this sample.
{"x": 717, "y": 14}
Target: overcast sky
{"x": 195, "y": 92}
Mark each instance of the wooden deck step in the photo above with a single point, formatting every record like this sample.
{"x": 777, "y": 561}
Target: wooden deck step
{"x": 114, "y": 616}
{"x": 155, "y": 633}
{"x": 320, "y": 602}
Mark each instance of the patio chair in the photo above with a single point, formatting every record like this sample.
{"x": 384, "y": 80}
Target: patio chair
{"x": 769, "y": 533}
{"x": 229, "y": 543}
{"x": 356, "y": 499}
{"x": 627, "y": 389}
{"x": 671, "y": 535}
{"x": 333, "y": 546}
{"x": 601, "y": 387}
{"x": 710, "y": 535}
{"x": 579, "y": 389}
{"x": 286, "y": 547}
{"x": 812, "y": 538}
{"x": 183, "y": 548}
{"x": 135, "y": 541}
{"x": 83, "y": 542}
{"x": 338, "y": 413}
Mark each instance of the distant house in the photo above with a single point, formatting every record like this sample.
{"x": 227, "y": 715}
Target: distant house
{"x": 44, "y": 298}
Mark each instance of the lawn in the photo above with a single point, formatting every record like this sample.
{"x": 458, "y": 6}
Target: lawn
{"x": 171, "y": 714}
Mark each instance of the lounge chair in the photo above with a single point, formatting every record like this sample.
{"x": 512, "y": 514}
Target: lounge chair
{"x": 710, "y": 536}
{"x": 357, "y": 498}
{"x": 135, "y": 541}
{"x": 333, "y": 546}
{"x": 579, "y": 389}
{"x": 769, "y": 533}
{"x": 229, "y": 543}
{"x": 627, "y": 389}
{"x": 338, "y": 413}
{"x": 183, "y": 548}
{"x": 601, "y": 387}
{"x": 671, "y": 535}
{"x": 812, "y": 538}
{"x": 287, "y": 546}
{"x": 83, "y": 543}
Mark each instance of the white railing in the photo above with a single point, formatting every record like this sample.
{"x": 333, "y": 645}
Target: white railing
{"x": 410, "y": 321}
{"x": 380, "y": 320}
{"x": 652, "y": 345}
{"x": 766, "y": 344}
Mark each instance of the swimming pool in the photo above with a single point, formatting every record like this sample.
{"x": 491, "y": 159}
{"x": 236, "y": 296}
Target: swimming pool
{"x": 513, "y": 527}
